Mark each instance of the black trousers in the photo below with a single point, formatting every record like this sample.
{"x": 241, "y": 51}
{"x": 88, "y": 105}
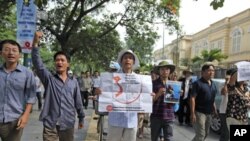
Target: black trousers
{"x": 182, "y": 113}
{"x": 224, "y": 135}
{"x": 39, "y": 99}
{"x": 157, "y": 125}
{"x": 85, "y": 98}
{"x": 93, "y": 94}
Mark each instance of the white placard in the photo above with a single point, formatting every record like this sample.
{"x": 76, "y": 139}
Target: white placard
{"x": 125, "y": 93}
{"x": 243, "y": 70}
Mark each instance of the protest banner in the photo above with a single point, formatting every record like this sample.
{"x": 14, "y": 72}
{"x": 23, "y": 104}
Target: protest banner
{"x": 173, "y": 91}
{"x": 243, "y": 70}
{"x": 26, "y": 24}
{"x": 125, "y": 92}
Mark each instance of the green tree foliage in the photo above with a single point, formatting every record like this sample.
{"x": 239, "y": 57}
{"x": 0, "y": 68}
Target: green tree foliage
{"x": 95, "y": 53}
{"x": 7, "y": 23}
{"x": 47, "y": 57}
{"x": 185, "y": 62}
{"x": 70, "y": 16}
{"x": 141, "y": 44}
{"x": 172, "y": 5}
{"x": 216, "y": 4}
{"x": 5, "y": 8}
{"x": 209, "y": 56}
{"x": 79, "y": 26}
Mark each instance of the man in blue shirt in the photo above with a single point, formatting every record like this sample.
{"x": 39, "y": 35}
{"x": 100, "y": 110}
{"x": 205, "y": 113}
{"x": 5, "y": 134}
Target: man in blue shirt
{"x": 202, "y": 102}
{"x": 62, "y": 99}
{"x": 17, "y": 92}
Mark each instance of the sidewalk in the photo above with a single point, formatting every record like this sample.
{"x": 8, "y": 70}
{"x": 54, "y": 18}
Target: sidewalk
{"x": 181, "y": 133}
{"x": 33, "y": 130}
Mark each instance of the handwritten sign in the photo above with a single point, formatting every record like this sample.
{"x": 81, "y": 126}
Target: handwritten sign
{"x": 26, "y": 24}
{"x": 243, "y": 70}
{"x": 125, "y": 92}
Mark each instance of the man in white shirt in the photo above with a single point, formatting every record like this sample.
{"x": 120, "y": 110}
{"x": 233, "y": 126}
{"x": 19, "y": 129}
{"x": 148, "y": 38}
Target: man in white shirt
{"x": 123, "y": 125}
{"x": 184, "y": 109}
{"x": 96, "y": 83}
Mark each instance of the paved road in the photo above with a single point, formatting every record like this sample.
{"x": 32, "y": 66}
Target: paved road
{"x": 33, "y": 131}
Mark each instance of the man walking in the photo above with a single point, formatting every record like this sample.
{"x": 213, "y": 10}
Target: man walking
{"x": 17, "y": 92}
{"x": 162, "y": 117}
{"x": 96, "y": 83}
{"x": 62, "y": 99}
{"x": 202, "y": 102}
{"x": 85, "y": 83}
{"x": 185, "y": 98}
{"x": 123, "y": 125}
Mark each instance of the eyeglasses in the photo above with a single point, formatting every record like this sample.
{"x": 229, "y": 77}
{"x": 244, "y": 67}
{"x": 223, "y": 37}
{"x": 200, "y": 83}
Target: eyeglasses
{"x": 8, "y": 50}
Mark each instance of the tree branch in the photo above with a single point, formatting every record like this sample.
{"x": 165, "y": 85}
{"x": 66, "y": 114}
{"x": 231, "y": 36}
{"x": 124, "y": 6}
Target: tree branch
{"x": 131, "y": 28}
{"x": 67, "y": 21}
{"x": 76, "y": 23}
{"x": 58, "y": 37}
{"x": 95, "y": 7}
{"x": 112, "y": 28}
{"x": 73, "y": 51}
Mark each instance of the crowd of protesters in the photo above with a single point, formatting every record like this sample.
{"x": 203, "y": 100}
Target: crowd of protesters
{"x": 67, "y": 93}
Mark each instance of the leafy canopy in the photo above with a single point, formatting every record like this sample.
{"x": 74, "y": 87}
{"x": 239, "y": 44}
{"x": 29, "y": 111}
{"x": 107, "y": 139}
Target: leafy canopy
{"x": 209, "y": 56}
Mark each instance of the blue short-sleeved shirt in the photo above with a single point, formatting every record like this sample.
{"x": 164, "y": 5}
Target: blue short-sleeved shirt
{"x": 205, "y": 95}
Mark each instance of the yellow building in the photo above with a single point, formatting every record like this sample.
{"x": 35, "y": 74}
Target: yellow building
{"x": 177, "y": 51}
{"x": 231, "y": 35}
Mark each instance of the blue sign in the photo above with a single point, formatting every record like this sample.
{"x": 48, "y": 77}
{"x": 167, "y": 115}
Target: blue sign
{"x": 26, "y": 24}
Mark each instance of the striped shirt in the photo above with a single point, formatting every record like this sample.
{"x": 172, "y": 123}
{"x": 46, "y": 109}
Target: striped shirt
{"x": 62, "y": 99}
{"x": 161, "y": 109}
{"x": 17, "y": 88}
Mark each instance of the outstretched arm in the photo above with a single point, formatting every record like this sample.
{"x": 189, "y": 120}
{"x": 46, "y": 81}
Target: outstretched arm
{"x": 41, "y": 70}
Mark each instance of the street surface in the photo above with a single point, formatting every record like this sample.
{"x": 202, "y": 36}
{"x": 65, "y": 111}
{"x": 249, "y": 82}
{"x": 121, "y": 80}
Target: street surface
{"x": 33, "y": 130}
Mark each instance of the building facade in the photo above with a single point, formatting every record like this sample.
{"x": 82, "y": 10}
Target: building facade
{"x": 178, "y": 52}
{"x": 231, "y": 35}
